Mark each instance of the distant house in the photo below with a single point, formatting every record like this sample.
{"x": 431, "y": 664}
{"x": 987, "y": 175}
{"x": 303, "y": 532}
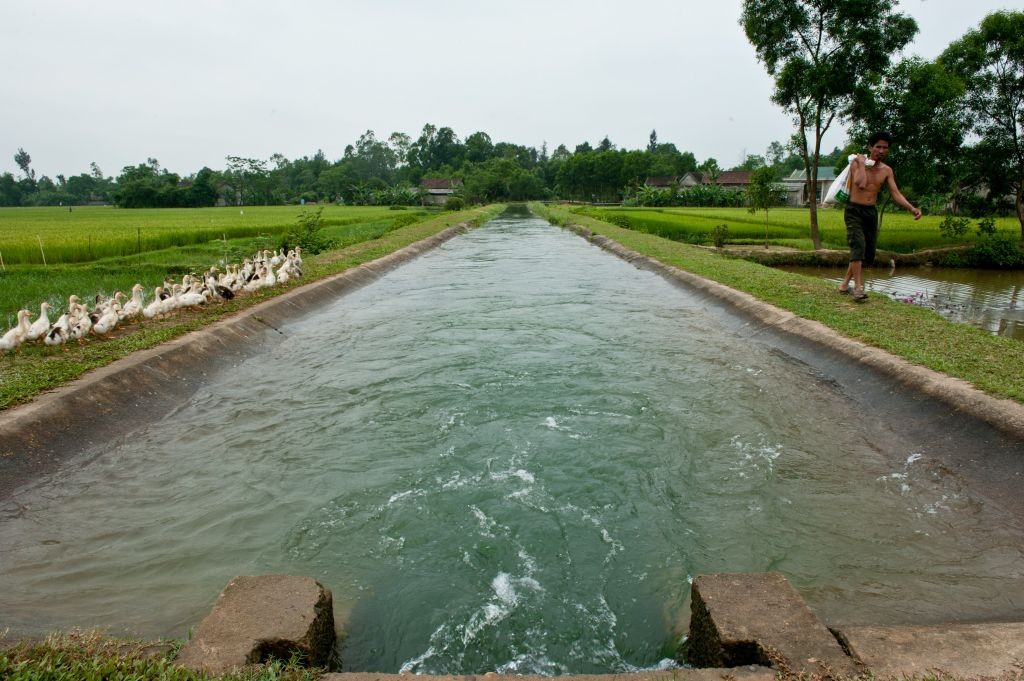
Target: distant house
{"x": 796, "y": 186}
{"x": 734, "y": 179}
{"x": 435, "y": 192}
{"x": 662, "y": 182}
{"x": 692, "y": 179}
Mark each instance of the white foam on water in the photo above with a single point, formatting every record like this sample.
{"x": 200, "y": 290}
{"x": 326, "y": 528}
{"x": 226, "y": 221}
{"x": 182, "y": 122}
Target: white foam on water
{"x": 915, "y": 456}
{"x": 410, "y": 665}
{"x": 759, "y": 456}
{"x": 486, "y": 524}
{"x": 398, "y": 496}
{"x": 524, "y": 475}
{"x": 551, "y": 423}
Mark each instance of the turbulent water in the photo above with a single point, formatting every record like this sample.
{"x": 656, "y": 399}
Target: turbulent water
{"x": 511, "y": 454}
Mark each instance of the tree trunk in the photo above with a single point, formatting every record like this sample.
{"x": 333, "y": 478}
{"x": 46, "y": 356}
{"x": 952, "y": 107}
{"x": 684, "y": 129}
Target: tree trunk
{"x": 1020, "y": 207}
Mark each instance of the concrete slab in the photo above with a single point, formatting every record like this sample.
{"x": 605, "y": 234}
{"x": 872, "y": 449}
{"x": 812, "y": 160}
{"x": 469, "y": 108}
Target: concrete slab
{"x": 759, "y": 618}
{"x": 974, "y": 651}
{"x": 256, "y": 618}
{"x": 748, "y": 673}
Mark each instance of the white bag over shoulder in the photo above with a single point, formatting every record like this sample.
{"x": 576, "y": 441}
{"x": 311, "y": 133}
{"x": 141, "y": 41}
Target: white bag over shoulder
{"x": 839, "y": 192}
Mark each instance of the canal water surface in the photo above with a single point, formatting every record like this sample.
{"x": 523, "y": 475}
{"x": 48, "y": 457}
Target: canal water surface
{"x": 510, "y": 454}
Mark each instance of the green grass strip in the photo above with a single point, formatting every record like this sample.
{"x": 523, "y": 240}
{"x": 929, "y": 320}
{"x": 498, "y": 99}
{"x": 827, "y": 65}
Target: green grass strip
{"x": 37, "y": 367}
{"x": 991, "y": 363}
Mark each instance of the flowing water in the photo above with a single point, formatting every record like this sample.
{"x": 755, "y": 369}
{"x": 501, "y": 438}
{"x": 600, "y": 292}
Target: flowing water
{"x": 990, "y": 299}
{"x": 510, "y": 454}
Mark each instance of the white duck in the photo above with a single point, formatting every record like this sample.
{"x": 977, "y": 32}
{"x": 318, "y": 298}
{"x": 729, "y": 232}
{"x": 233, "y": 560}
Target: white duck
{"x": 59, "y": 332}
{"x": 40, "y": 326}
{"x": 155, "y": 310}
{"x": 133, "y": 308}
{"x": 81, "y": 324}
{"x": 107, "y": 320}
{"x": 17, "y": 334}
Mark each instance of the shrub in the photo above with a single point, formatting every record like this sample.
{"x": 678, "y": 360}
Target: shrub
{"x": 306, "y": 233}
{"x": 454, "y": 203}
{"x": 719, "y": 234}
{"x": 620, "y": 221}
{"x": 404, "y": 220}
{"x": 987, "y": 226}
{"x": 953, "y": 227}
{"x": 999, "y": 252}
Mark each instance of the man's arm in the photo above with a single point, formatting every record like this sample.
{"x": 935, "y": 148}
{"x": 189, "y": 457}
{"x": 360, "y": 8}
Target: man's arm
{"x": 860, "y": 174}
{"x": 898, "y": 197}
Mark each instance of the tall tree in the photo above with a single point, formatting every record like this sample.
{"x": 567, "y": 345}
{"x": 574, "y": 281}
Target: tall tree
{"x": 823, "y": 54}
{"x": 24, "y": 161}
{"x": 990, "y": 59}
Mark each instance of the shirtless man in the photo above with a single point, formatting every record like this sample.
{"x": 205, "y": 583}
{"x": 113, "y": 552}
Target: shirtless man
{"x": 861, "y": 215}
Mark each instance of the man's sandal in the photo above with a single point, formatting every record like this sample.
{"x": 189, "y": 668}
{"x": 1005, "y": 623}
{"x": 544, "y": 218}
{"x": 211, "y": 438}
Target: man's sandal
{"x": 844, "y": 291}
{"x": 858, "y": 296}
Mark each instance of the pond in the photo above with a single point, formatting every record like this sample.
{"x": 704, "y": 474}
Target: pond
{"x": 990, "y": 299}
{"x": 511, "y": 454}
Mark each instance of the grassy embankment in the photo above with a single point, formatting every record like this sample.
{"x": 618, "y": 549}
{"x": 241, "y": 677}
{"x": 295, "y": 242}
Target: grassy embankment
{"x": 899, "y": 232}
{"x": 37, "y": 367}
{"x": 991, "y": 363}
{"x": 93, "y": 657}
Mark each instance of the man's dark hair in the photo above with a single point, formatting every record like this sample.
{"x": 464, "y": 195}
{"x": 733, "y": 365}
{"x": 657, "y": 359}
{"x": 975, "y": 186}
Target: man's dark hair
{"x": 880, "y": 136}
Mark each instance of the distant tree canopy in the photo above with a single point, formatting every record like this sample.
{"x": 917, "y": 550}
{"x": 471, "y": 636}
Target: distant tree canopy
{"x": 372, "y": 170}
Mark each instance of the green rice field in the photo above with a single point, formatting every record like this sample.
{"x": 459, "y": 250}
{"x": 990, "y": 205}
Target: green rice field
{"x": 115, "y": 266}
{"x": 786, "y": 226}
{"x": 84, "y": 234}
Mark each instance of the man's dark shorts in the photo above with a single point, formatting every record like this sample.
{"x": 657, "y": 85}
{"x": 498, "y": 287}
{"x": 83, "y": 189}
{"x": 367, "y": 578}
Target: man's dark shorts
{"x": 861, "y": 231}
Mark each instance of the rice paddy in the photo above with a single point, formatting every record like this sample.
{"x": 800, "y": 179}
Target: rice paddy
{"x": 786, "y": 226}
{"x": 56, "y": 235}
{"x": 217, "y": 236}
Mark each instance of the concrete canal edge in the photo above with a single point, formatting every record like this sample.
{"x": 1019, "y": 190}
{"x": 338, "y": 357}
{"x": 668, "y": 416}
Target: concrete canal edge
{"x": 1002, "y": 414}
{"x": 38, "y": 436}
{"x": 751, "y": 626}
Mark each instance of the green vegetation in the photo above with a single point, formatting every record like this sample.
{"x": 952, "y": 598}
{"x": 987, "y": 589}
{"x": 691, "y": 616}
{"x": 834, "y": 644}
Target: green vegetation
{"x": 28, "y": 285}
{"x": 36, "y": 367}
{"x": 787, "y": 227}
{"x": 93, "y": 657}
{"x": 918, "y": 335}
{"x": 86, "y": 234}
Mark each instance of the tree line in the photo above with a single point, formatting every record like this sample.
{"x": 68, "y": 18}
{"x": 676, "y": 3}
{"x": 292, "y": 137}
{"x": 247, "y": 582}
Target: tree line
{"x": 387, "y": 172}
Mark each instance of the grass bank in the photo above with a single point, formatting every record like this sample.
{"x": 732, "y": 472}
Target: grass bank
{"x": 92, "y": 657}
{"x": 991, "y": 363}
{"x": 37, "y": 367}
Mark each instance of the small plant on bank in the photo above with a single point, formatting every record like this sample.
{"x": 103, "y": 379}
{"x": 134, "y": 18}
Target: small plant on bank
{"x": 987, "y": 226}
{"x": 719, "y": 235}
{"x": 953, "y": 227}
{"x": 454, "y": 203}
{"x": 306, "y": 233}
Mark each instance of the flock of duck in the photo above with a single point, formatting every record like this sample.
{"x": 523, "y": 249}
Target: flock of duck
{"x": 263, "y": 270}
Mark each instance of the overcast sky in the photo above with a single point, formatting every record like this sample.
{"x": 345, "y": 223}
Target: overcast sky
{"x": 191, "y": 82}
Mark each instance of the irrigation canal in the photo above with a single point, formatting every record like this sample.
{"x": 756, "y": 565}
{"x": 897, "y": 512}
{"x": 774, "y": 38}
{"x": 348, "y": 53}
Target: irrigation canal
{"x": 512, "y": 454}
